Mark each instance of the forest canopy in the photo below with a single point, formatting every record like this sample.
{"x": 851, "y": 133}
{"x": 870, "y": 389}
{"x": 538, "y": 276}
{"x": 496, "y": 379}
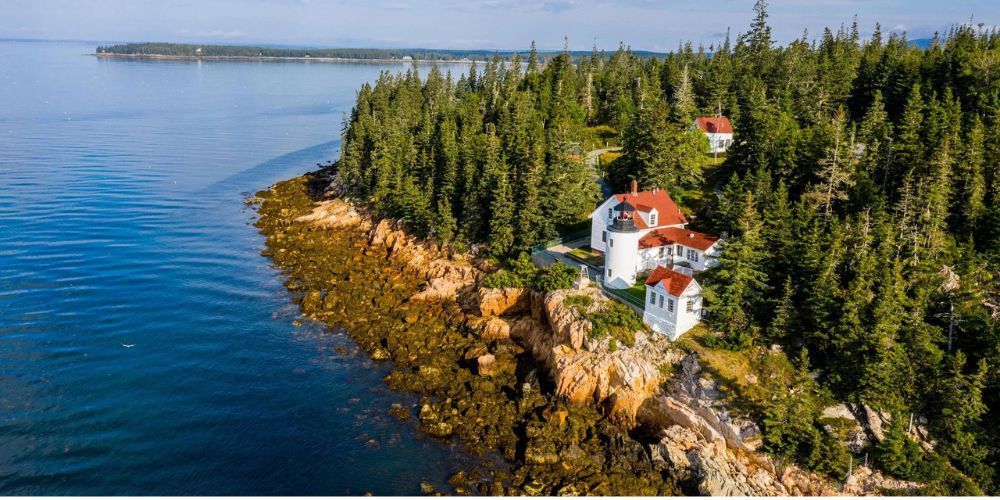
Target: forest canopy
{"x": 860, "y": 200}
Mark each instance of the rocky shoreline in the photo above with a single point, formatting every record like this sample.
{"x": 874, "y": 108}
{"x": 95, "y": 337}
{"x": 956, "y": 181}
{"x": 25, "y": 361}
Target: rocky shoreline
{"x": 514, "y": 372}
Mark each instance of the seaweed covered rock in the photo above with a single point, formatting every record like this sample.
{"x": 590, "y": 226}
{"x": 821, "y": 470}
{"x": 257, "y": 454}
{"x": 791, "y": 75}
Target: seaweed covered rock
{"x": 409, "y": 302}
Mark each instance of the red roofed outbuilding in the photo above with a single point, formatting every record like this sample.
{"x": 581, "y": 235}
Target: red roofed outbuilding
{"x": 673, "y": 302}
{"x": 719, "y": 131}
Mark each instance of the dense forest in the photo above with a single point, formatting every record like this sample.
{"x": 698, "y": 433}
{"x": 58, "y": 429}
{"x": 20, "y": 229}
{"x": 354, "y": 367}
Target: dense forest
{"x": 861, "y": 204}
{"x": 191, "y": 50}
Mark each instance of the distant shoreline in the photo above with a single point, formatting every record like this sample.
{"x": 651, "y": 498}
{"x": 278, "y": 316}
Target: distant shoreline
{"x": 282, "y": 59}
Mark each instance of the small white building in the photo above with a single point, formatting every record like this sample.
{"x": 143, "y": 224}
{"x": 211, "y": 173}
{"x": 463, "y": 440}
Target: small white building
{"x": 641, "y": 231}
{"x": 673, "y": 302}
{"x": 719, "y": 132}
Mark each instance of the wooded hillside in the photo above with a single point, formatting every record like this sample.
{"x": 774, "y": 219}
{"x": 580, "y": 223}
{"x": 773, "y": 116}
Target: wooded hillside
{"x": 861, "y": 201}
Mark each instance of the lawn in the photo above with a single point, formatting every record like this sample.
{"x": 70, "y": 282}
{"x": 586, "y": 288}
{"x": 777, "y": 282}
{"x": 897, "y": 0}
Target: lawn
{"x": 638, "y": 290}
{"x": 588, "y": 256}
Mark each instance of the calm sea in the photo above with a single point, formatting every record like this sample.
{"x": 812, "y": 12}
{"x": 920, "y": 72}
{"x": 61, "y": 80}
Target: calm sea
{"x": 122, "y": 223}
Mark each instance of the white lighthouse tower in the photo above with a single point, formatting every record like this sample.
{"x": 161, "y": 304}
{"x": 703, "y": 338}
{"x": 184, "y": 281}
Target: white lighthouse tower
{"x": 621, "y": 251}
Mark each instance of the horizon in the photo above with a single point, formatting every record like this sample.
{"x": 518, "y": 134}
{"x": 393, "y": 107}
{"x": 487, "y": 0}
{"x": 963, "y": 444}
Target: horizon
{"x": 500, "y": 25}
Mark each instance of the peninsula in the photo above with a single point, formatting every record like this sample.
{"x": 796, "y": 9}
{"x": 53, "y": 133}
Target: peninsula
{"x": 768, "y": 270}
{"x": 179, "y": 51}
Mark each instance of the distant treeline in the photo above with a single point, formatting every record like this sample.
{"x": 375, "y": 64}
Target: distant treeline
{"x": 191, "y": 50}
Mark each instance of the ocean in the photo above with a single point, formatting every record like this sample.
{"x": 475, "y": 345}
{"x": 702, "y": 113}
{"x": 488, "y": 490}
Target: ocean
{"x": 145, "y": 345}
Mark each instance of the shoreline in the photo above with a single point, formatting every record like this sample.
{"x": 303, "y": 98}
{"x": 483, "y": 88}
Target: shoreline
{"x": 163, "y": 57}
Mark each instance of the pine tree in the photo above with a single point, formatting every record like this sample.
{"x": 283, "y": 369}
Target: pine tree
{"x": 784, "y": 310}
{"x": 684, "y": 108}
{"x": 501, "y": 217}
{"x": 836, "y": 174}
{"x": 959, "y": 407}
{"x": 908, "y": 148}
{"x": 444, "y": 225}
{"x": 971, "y": 203}
{"x": 736, "y": 287}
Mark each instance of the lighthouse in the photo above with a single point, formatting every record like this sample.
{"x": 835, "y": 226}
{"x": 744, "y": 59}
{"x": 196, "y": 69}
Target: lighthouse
{"x": 621, "y": 251}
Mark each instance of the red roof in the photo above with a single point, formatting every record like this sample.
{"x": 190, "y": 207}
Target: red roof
{"x": 673, "y": 282}
{"x": 671, "y": 235}
{"x": 667, "y": 212}
{"x": 713, "y": 125}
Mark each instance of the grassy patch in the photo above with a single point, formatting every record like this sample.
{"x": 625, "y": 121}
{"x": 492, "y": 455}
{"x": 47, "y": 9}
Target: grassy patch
{"x": 587, "y": 256}
{"x": 605, "y": 159}
{"x": 616, "y": 320}
{"x": 638, "y": 291}
{"x": 599, "y": 137}
{"x": 729, "y": 368}
{"x": 580, "y": 303}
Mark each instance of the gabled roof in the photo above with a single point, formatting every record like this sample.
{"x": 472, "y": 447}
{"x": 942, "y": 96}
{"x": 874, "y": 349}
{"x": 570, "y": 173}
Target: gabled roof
{"x": 672, "y": 235}
{"x": 667, "y": 212}
{"x": 714, "y": 125}
{"x": 673, "y": 282}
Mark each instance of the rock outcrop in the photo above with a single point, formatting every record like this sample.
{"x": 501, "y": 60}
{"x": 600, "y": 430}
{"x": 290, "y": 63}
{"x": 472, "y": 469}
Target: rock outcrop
{"x": 503, "y": 301}
{"x": 695, "y": 402}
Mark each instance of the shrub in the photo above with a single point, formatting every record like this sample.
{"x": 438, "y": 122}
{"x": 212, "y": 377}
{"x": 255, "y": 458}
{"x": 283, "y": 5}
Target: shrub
{"x": 521, "y": 274}
{"x": 558, "y": 276}
{"x": 580, "y": 303}
{"x": 503, "y": 279}
{"x": 617, "y": 320}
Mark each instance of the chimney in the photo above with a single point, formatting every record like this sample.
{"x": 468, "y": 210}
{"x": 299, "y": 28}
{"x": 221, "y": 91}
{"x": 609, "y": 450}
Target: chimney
{"x": 635, "y": 187}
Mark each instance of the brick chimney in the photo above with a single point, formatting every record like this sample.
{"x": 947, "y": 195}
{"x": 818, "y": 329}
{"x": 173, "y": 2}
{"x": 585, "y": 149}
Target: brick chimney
{"x": 635, "y": 187}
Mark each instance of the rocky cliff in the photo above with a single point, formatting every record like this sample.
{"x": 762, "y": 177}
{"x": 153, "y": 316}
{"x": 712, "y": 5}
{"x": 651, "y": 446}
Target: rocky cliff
{"x": 651, "y": 385}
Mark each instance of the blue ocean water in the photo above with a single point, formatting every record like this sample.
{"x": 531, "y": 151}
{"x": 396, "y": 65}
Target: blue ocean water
{"x": 122, "y": 223}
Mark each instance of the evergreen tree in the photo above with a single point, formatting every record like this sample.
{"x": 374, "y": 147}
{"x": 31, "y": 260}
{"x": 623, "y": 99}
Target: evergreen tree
{"x": 737, "y": 285}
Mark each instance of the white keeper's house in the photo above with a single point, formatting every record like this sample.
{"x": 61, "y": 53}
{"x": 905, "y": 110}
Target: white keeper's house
{"x": 718, "y": 130}
{"x": 642, "y": 233}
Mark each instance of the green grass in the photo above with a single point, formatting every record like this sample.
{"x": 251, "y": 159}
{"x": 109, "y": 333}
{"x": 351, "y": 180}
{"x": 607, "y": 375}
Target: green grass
{"x": 599, "y": 137}
{"x": 638, "y": 290}
{"x": 587, "y": 256}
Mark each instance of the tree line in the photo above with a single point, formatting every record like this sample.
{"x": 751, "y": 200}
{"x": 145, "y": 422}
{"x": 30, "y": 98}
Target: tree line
{"x": 860, "y": 200}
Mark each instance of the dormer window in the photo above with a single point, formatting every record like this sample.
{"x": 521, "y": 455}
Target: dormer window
{"x": 652, "y": 218}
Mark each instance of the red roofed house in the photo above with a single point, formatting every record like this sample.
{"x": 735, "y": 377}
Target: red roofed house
{"x": 673, "y": 301}
{"x": 639, "y": 231}
{"x": 718, "y": 130}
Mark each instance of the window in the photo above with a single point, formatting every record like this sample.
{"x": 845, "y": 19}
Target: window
{"x": 661, "y": 251}
{"x": 611, "y": 213}
{"x": 680, "y": 251}
{"x": 611, "y": 243}
{"x": 692, "y": 255}
{"x": 690, "y": 306}
{"x": 661, "y": 302}
{"x": 609, "y": 272}
{"x": 604, "y": 236}
{"x": 652, "y": 297}
{"x": 652, "y": 219}
{"x": 670, "y": 305}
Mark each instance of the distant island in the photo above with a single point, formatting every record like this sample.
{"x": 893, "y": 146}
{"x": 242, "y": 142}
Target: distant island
{"x": 238, "y": 52}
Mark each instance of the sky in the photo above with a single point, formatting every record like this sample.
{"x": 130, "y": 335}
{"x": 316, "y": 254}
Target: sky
{"x": 658, "y": 25}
